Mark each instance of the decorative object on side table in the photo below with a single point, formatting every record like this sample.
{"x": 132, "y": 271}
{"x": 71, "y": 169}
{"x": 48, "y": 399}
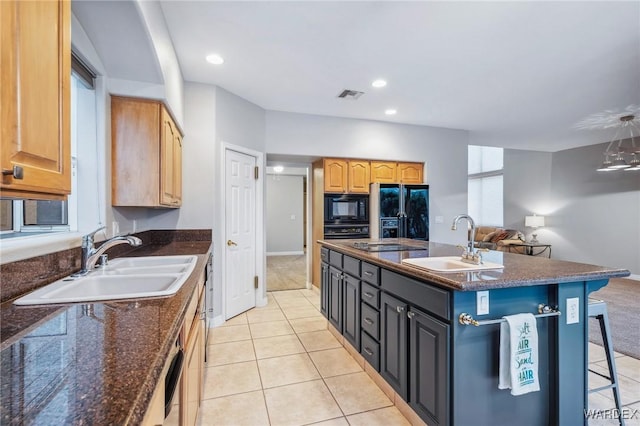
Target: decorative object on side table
{"x": 534, "y": 222}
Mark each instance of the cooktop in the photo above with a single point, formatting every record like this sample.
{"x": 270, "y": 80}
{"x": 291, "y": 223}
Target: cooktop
{"x": 377, "y": 247}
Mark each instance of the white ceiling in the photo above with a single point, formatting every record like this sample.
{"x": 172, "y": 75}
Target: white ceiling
{"x": 515, "y": 74}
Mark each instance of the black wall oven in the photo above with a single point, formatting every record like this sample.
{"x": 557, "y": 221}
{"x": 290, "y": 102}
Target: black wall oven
{"x": 346, "y": 216}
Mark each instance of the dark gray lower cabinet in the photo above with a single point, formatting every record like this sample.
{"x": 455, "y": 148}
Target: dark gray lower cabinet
{"x": 428, "y": 367}
{"x": 324, "y": 289}
{"x": 351, "y": 310}
{"x": 393, "y": 343}
{"x": 335, "y": 298}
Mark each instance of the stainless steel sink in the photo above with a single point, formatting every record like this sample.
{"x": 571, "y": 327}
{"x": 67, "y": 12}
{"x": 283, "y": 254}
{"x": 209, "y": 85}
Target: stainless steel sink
{"x": 448, "y": 264}
{"x": 126, "y": 278}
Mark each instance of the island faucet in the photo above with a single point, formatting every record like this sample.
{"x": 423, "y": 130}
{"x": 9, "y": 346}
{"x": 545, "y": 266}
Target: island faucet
{"x": 471, "y": 254}
{"x": 90, "y": 254}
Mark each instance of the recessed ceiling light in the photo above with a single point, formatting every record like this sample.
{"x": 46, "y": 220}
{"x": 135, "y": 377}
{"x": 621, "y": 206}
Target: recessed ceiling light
{"x": 379, "y": 83}
{"x": 278, "y": 169}
{"x": 215, "y": 59}
{"x": 390, "y": 111}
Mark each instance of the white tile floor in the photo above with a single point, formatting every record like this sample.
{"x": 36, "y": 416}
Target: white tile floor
{"x": 280, "y": 365}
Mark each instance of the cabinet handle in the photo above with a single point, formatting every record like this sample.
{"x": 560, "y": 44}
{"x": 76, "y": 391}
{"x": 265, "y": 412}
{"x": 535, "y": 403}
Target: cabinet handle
{"x": 399, "y": 309}
{"x": 367, "y": 294}
{"x": 410, "y": 315}
{"x": 17, "y": 172}
{"x": 368, "y": 321}
{"x": 368, "y": 273}
{"x": 368, "y": 351}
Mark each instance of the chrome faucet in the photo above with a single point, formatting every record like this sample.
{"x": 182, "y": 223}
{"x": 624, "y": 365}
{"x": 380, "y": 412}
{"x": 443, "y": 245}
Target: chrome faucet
{"x": 90, "y": 254}
{"x": 470, "y": 254}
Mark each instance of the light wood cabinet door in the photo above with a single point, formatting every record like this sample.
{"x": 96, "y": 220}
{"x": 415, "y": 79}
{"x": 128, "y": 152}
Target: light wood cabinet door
{"x": 35, "y": 73}
{"x": 359, "y": 177}
{"x": 335, "y": 175}
{"x": 170, "y": 162}
{"x": 193, "y": 370}
{"x": 146, "y": 154}
{"x": 383, "y": 172}
{"x": 410, "y": 172}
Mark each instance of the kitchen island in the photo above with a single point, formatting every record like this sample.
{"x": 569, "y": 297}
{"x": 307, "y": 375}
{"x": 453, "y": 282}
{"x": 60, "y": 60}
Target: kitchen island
{"x": 93, "y": 363}
{"x": 416, "y": 328}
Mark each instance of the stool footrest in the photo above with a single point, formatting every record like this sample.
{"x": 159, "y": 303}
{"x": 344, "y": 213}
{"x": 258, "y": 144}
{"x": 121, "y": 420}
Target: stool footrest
{"x": 611, "y": 386}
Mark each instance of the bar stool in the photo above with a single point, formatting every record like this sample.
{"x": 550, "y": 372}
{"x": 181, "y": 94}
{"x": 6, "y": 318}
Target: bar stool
{"x": 598, "y": 309}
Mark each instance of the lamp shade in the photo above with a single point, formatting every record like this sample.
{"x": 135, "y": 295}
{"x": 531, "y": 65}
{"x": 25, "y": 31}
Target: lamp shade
{"x": 534, "y": 221}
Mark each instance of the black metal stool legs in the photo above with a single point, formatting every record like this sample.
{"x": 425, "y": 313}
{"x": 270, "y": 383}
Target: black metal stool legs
{"x": 598, "y": 310}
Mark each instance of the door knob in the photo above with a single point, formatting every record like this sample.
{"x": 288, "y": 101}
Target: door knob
{"x": 17, "y": 172}
{"x": 231, "y": 243}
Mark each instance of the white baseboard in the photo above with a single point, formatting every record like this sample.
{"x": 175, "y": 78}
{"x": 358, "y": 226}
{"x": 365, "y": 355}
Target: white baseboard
{"x": 216, "y": 321}
{"x": 285, "y": 253}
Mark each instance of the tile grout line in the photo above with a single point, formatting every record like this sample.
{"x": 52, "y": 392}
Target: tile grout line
{"x": 319, "y": 374}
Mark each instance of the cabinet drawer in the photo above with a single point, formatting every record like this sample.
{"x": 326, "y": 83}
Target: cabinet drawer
{"x": 324, "y": 254}
{"x": 370, "y": 273}
{"x": 351, "y": 266}
{"x": 429, "y": 298}
{"x": 335, "y": 259}
{"x": 370, "y": 350}
{"x": 371, "y": 295}
{"x": 370, "y": 321}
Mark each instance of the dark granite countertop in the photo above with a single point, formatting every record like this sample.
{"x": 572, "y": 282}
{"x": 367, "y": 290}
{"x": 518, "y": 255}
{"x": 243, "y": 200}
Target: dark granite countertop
{"x": 95, "y": 363}
{"x": 519, "y": 270}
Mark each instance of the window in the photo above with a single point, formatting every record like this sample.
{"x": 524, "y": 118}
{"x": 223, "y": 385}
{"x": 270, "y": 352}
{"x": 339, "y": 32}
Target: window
{"x": 21, "y": 217}
{"x": 485, "y": 194}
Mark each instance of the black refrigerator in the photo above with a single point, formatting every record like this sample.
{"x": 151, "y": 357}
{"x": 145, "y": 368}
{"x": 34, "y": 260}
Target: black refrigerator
{"x": 399, "y": 211}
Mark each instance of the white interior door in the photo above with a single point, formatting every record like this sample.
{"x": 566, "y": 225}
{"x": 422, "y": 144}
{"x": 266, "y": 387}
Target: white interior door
{"x": 240, "y": 232}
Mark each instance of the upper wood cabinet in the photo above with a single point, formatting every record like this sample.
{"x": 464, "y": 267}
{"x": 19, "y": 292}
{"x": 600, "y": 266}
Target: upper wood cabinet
{"x": 410, "y": 172}
{"x": 146, "y": 154}
{"x": 346, "y": 176}
{"x": 35, "y": 72}
{"x": 335, "y": 175}
{"x": 383, "y": 172}
{"x": 359, "y": 177}
{"x": 392, "y": 172}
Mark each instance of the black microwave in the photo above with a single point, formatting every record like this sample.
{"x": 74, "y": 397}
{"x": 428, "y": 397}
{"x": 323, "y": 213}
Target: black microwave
{"x": 348, "y": 208}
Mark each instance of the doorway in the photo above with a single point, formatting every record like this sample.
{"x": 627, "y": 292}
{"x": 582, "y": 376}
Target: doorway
{"x": 286, "y": 211}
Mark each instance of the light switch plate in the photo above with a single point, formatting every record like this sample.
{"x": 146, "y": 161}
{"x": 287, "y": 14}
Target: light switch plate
{"x": 439, "y": 219}
{"x": 573, "y": 310}
{"x": 115, "y": 228}
{"x": 482, "y": 302}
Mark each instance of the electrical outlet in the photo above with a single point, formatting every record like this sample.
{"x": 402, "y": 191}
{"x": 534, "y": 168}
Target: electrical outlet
{"x": 115, "y": 227}
{"x": 293, "y": 217}
{"x": 439, "y": 219}
{"x": 482, "y": 302}
{"x": 134, "y": 226}
{"x": 573, "y": 310}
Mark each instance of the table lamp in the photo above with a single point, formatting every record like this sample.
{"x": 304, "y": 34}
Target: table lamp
{"x": 534, "y": 222}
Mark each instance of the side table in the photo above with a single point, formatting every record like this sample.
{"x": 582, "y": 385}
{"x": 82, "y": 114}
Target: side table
{"x": 529, "y": 248}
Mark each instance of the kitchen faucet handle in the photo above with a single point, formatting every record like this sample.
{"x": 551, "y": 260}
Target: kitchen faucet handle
{"x": 88, "y": 239}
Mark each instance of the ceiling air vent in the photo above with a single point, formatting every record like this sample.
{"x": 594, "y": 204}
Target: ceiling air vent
{"x": 350, "y": 94}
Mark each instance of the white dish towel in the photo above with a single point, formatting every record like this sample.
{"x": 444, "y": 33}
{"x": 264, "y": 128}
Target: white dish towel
{"x": 519, "y": 354}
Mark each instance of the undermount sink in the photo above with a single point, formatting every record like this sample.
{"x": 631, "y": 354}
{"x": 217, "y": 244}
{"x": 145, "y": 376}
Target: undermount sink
{"x": 126, "y": 278}
{"x": 448, "y": 264}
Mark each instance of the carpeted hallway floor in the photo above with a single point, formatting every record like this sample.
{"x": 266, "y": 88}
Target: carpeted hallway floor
{"x": 286, "y": 272}
{"x": 623, "y": 309}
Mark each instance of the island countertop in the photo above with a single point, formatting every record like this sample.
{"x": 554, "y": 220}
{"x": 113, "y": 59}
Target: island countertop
{"x": 519, "y": 270}
{"x": 66, "y": 364}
